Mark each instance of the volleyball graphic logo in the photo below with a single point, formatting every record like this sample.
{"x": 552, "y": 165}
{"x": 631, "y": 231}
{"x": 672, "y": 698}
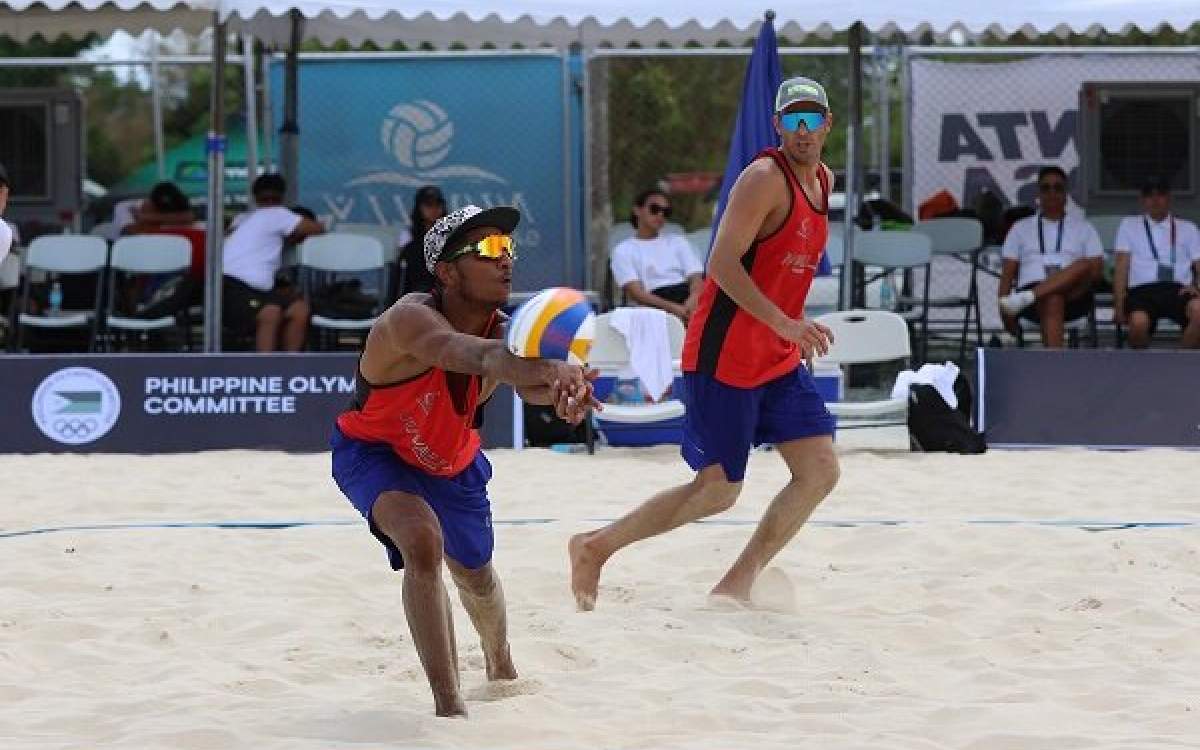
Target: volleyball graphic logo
{"x": 417, "y": 134}
{"x": 556, "y": 323}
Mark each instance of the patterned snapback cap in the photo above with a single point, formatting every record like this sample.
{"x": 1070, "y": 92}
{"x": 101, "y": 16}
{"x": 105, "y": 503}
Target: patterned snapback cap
{"x": 446, "y": 230}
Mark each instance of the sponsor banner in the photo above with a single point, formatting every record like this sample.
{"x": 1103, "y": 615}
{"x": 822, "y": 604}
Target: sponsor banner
{"x": 487, "y": 130}
{"x": 185, "y": 402}
{"x": 978, "y": 126}
{"x": 1115, "y": 398}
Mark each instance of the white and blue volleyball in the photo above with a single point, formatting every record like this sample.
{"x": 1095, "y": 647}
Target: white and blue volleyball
{"x": 556, "y": 323}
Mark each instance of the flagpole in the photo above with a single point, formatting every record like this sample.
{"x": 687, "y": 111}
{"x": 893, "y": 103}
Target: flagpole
{"x": 846, "y": 298}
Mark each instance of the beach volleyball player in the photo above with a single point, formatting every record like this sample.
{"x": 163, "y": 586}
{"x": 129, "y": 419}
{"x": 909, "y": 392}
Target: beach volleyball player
{"x": 743, "y": 381}
{"x": 407, "y": 455}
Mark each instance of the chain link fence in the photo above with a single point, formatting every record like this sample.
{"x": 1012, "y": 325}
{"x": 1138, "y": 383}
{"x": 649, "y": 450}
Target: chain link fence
{"x": 116, "y": 128}
{"x": 663, "y": 119}
{"x": 981, "y": 122}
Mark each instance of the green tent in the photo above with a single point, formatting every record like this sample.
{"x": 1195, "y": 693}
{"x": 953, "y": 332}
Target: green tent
{"x": 187, "y": 166}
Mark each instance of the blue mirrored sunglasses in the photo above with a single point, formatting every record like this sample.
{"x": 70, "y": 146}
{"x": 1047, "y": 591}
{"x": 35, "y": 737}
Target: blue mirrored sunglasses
{"x": 812, "y": 121}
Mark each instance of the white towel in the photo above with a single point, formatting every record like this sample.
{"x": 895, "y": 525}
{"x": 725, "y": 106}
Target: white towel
{"x": 649, "y": 343}
{"x": 941, "y": 377}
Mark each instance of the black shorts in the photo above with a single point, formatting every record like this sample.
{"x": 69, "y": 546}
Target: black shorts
{"x": 241, "y": 303}
{"x": 1076, "y": 308}
{"x": 1158, "y": 299}
{"x": 677, "y": 293}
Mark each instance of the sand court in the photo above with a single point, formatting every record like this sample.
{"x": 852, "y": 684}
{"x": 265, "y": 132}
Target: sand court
{"x": 1012, "y": 600}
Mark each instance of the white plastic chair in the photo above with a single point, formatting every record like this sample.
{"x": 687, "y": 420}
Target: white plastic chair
{"x": 610, "y": 355}
{"x": 144, "y": 254}
{"x": 959, "y": 238}
{"x": 899, "y": 251}
{"x": 867, "y": 337}
{"x": 389, "y": 238}
{"x": 700, "y": 239}
{"x": 335, "y": 253}
{"x": 62, "y": 254}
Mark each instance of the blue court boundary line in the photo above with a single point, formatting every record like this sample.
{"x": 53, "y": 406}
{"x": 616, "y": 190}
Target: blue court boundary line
{"x": 1083, "y": 525}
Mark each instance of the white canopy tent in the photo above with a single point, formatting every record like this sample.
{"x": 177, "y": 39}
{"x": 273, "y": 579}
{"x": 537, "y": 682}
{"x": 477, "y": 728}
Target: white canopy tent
{"x": 620, "y": 22}
{"x": 560, "y": 23}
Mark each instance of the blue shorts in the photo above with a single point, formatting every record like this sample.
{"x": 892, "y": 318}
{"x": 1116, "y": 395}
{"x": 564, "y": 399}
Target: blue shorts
{"x": 364, "y": 471}
{"x": 723, "y": 422}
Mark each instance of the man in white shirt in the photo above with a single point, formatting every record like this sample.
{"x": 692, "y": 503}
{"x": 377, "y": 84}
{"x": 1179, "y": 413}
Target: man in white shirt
{"x": 1158, "y": 268}
{"x": 252, "y": 300}
{"x": 6, "y": 232}
{"x": 1055, "y": 257}
{"x": 656, "y": 269}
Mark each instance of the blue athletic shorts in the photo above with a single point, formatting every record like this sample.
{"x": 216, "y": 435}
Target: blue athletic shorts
{"x": 723, "y": 423}
{"x": 363, "y": 471}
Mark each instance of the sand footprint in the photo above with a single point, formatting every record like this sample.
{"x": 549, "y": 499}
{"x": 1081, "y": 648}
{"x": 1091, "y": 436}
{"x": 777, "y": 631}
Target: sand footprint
{"x": 498, "y": 690}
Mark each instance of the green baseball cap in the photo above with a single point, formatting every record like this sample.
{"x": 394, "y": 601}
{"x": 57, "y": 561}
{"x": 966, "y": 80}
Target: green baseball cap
{"x": 800, "y": 89}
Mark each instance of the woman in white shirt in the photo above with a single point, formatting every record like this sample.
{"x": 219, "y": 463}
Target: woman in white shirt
{"x": 1055, "y": 257}
{"x": 1158, "y": 267}
{"x": 656, "y": 269}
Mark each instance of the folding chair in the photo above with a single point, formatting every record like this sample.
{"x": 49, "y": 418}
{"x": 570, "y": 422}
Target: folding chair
{"x": 867, "y": 337}
{"x": 893, "y": 251}
{"x": 389, "y": 238}
{"x": 610, "y": 355}
{"x": 145, "y": 255}
{"x": 58, "y": 255}
{"x": 957, "y": 238}
{"x": 336, "y": 253}
{"x": 1106, "y": 225}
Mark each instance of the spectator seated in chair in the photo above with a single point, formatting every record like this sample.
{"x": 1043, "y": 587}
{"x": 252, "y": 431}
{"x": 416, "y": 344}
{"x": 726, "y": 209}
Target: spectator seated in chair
{"x": 6, "y": 232}
{"x": 1158, "y": 268}
{"x": 1055, "y": 257}
{"x": 255, "y": 301}
{"x": 654, "y": 269}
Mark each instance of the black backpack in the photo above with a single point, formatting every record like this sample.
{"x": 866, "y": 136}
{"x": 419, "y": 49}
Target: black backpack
{"x": 934, "y": 427}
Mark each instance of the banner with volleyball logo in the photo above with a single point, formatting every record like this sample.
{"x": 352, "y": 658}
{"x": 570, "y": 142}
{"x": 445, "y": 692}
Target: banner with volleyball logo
{"x": 487, "y": 130}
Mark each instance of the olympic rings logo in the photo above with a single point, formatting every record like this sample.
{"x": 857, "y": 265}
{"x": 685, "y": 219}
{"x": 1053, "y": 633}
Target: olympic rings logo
{"x": 76, "y": 405}
{"x": 74, "y": 428}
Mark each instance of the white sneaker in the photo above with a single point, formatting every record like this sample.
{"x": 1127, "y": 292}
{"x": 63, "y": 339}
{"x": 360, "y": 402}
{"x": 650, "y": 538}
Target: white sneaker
{"x": 1014, "y": 303}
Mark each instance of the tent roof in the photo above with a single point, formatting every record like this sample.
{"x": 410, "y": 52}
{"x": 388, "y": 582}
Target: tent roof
{"x": 22, "y": 19}
{"x": 562, "y": 22}
{"x": 677, "y": 22}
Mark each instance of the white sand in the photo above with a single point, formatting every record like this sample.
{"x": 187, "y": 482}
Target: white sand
{"x": 937, "y": 633}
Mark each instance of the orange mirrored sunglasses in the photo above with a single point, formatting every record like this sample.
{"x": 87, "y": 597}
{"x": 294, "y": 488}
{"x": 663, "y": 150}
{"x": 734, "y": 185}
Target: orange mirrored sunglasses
{"x": 492, "y": 247}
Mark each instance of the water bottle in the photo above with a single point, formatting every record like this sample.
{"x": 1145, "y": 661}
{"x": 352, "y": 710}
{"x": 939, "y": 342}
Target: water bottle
{"x": 887, "y": 293}
{"x": 56, "y": 298}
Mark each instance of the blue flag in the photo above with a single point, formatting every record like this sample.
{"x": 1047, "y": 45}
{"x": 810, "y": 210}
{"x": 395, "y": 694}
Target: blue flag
{"x": 755, "y": 126}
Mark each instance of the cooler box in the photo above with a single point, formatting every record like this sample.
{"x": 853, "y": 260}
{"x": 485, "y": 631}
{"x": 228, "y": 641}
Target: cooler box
{"x": 637, "y": 424}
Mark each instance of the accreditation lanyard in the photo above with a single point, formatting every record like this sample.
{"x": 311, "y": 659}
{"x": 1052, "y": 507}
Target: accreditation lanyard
{"x": 1150, "y": 239}
{"x": 1057, "y": 242}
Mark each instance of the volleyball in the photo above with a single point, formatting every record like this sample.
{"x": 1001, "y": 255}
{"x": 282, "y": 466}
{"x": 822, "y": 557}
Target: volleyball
{"x": 556, "y": 323}
{"x": 417, "y": 133}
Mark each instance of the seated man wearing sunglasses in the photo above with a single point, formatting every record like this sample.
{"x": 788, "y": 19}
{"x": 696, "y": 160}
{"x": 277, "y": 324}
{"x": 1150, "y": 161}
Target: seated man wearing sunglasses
{"x": 406, "y": 452}
{"x": 1056, "y": 257}
{"x": 744, "y": 382}
{"x": 656, "y": 269}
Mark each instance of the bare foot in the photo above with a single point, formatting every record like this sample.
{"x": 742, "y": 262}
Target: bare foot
{"x": 500, "y": 667}
{"x": 450, "y": 706}
{"x": 738, "y": 593}
{"x": 585, "y": 571}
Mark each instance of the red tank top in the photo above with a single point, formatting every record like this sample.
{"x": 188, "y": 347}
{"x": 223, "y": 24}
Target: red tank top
{"x": 428, "y": 420}
{"x": 730, "y": 344}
